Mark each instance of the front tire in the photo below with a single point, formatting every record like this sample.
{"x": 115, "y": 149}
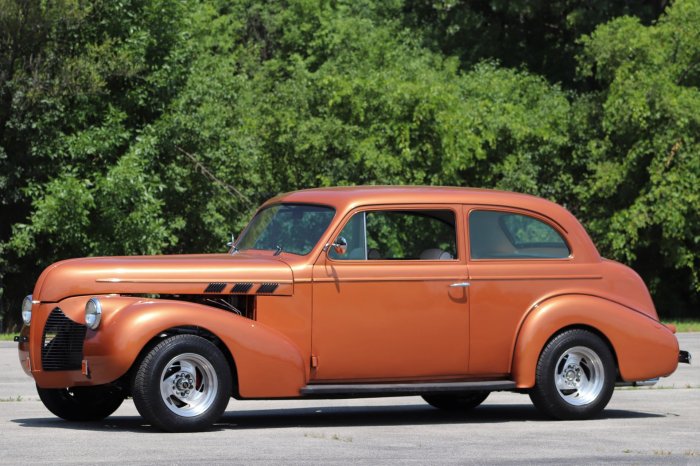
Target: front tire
{"x": 575, "y": 376}
{"x": 82, "y": 404}
{"x": 183, "y": 384}
{"x": 462, "y": 402}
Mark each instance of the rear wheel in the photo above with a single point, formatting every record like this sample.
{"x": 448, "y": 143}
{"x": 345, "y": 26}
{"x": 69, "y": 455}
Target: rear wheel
{"x": 460, "y": 402}
{"x": 82, "y": 403}
{"x": 183, "y": 384}
{"x": 575, "y": 376}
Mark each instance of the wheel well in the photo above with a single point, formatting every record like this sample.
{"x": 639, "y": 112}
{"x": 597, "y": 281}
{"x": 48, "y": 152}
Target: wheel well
{"x": 593, "y": 330}
{"x": 184, "y": 330}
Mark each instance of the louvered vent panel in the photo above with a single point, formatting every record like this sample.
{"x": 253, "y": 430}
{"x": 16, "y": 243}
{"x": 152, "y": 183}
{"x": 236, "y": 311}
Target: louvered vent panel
{"x": 267, "y": 288}
{"x": 215, "y": 288}
{"x": 62, "y": 343}
{"x": 241, "y": 287}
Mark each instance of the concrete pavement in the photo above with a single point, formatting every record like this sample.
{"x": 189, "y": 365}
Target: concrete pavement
{"x": 640, "y": 426}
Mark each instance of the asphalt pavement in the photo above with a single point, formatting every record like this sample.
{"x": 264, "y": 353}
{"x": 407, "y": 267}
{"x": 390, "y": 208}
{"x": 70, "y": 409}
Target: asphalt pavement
{"x": 653, "y": 425}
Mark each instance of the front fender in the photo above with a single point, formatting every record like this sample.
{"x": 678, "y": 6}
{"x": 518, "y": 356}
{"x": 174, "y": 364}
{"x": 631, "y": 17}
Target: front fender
{"x": 644, "y": 347}
{"x": 268, "y": 364}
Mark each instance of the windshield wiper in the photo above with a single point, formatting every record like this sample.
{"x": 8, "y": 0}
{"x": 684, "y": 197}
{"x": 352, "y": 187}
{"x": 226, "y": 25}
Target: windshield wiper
{"x": 278, "y": 250}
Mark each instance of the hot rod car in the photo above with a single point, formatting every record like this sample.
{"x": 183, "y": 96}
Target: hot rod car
{"x": 446, "y": 293}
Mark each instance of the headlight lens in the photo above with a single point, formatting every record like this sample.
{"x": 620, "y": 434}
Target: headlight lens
{"x": 27, "y": 310}
{"x": 93, "y": 313}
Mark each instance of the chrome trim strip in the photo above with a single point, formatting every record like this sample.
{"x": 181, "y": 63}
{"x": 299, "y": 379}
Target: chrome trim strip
{"x": 540, "y": 277}
{"x": 638, "y": 383}
{"x": 387, "y": 279}
{"x": 187, "y": 280}
{"x": 395, "y": 389}
{"x": 364, "y": 232}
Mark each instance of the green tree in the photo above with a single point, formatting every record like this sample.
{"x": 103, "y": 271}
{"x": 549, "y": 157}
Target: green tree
{"x": 541, "y": 36}
{"x": 639, "y": 149}
{"x": 140, "y": 127}
{"x": 78, "y": 82}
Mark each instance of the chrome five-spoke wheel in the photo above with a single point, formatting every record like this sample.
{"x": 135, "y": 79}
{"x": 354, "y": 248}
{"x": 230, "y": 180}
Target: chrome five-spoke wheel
{"x": 579, "y": 376}
{"x": 183, "y": 384}
{"x": 575, "y": 376}
{"x": 189, "y": 385}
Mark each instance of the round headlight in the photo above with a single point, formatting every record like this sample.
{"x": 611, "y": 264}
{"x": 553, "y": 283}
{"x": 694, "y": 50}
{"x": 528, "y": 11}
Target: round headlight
{"x": 93, "y": 313}
{"x": 27, "y": 310}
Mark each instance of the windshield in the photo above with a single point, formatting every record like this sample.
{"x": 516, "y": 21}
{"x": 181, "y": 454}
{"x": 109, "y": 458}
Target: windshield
{"x": 294, "y": 228}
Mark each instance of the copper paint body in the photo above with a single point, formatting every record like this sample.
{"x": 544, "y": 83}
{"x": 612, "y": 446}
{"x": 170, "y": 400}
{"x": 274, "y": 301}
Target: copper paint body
{"x": 357, "y": 320}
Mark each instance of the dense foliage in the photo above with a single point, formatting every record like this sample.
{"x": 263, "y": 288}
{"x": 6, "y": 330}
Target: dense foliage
{"x": 156, "y": 126}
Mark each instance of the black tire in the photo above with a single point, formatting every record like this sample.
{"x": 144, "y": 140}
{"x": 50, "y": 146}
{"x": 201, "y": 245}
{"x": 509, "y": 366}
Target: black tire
{"x": 575, "y": 376}
{"x": 461, "y": 402}
{"x": 82, "y": 404}
{"x": 198, "y": 384}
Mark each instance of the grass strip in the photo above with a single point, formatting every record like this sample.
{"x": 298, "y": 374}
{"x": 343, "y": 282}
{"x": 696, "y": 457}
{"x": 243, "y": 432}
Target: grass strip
{"x": 684, "y": 325}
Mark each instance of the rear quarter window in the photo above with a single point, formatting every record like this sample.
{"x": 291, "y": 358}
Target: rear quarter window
{"x": 507, "y": 235}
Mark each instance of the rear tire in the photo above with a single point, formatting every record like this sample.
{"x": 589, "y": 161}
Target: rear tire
{"x": 575, "y": 376}
{"x": 82, "y": 404}
{"x": 183, "y": 384}
{"x": 462, "y": 402}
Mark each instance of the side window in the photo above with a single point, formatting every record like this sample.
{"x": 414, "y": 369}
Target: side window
{"x": 400, "y": 235}
{"x": 504, "y": 235}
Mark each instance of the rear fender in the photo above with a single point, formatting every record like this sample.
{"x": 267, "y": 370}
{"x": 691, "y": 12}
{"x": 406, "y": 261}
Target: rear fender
{"x": 268, "y": 364}
{"x": 644, "y": 347}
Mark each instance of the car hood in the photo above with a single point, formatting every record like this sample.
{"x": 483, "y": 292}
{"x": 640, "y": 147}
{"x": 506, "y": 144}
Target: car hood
{"x": 177, "y": 274}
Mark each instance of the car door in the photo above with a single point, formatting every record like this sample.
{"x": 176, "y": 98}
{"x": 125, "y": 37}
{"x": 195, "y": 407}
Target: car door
{"x": 394, "y": 305}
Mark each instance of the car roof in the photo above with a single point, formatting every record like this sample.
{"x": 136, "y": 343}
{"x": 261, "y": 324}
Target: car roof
{"x": 348, "y": 197}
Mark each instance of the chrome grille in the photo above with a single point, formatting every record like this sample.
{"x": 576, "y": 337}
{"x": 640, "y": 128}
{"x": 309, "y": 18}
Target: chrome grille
{"x": 62, "y": 343}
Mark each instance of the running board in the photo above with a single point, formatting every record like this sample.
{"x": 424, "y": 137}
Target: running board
{"x": 398, "y": 389}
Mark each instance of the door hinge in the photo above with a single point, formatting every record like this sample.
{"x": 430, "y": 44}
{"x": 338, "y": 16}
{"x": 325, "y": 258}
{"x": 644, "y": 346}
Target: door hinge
{"x": 314, "y": 361}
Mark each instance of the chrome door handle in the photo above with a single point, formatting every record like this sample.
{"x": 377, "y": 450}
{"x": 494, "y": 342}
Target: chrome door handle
{"x": 459, "y": 285}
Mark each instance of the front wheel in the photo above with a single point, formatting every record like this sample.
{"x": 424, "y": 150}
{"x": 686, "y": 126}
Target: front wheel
{"x": 575, "y": 376}
{"x": 82, "y": 403}
{"x": 461, "y": 402}
{"x": 183, "y": 384}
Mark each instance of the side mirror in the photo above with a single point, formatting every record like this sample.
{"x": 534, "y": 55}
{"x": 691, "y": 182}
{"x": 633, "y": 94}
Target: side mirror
{"x": 231, "y": 245}
{"x": 340, "y": 245}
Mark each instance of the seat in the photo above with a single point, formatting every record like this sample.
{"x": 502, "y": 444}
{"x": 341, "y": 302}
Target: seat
{"x": 356, "y": 254}
{"x": 374, "y": 254}
{"x": 435, "y": 254}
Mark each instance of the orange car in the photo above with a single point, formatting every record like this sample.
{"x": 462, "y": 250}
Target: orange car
{"x": 447, "y": 293}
